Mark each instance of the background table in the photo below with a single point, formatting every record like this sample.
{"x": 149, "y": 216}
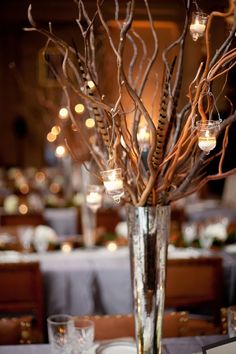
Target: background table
{"x": 89, "y": 281}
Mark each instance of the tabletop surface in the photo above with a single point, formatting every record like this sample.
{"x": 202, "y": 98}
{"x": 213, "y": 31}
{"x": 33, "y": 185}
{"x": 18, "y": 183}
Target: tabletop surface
{"x": 183, "y": 345}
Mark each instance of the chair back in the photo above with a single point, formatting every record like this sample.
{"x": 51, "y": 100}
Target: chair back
{"x": 175, "y": 324}
{"x": 22, "y": 293}
{"x": 15, "y": 330}
{"x": 194, "y": 283}
{"x": 22, "y": 219}
{"x": 112, "y": 326}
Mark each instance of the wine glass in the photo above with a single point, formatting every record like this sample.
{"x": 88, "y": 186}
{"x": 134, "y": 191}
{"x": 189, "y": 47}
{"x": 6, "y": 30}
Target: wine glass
{"x": 189, "y": 232}
{"x": 81, "y": 333}
{"x": 94, "y": 197}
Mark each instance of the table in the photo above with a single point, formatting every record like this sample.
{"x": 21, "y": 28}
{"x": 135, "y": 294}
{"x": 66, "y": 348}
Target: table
{"x": 184, "y": 345}
{"x": 88, "y": 281}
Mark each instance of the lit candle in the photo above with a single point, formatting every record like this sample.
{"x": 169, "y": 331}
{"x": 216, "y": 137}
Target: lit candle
{"x": 207, "y": 143}
{"x": 197, "y": 27}
{"x": 113, "y": 185}
{"x": 94, "y": 198}
{"x": 113, "y": 182}
{"x": 207, "y": 134}
{"x": 66, "y": 247}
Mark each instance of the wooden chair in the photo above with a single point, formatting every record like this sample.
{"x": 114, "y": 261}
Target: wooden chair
{"x": 112, "y": 326}
{"x": 194, "y": 283}
{"x": 22, "y": 293}
{"x": 175, "y": 324}
{"x": 20, "y": 219}
{"x": 16, "y": 330}
{"x": 224, "y": 320}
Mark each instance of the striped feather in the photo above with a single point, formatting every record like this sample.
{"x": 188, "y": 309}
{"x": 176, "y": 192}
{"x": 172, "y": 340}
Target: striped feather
{"x": 162, "y": 122}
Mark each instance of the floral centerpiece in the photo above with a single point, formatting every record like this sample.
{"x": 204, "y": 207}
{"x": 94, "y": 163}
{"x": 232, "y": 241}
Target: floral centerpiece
{"x": 147, "y": 160}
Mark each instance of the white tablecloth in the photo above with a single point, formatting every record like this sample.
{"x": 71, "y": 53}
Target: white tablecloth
{"x": 86, "y": 281}
{"x": 184, "y": 345}
{"x": 89, "y": 281}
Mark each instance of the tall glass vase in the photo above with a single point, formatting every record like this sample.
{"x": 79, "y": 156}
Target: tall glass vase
{"x": 148, "y": 229}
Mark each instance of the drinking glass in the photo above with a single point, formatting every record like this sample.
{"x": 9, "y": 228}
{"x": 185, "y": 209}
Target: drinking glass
{"x": 81, "y": 333}
{"x": 206, "y": 237}
{"x": 25, "y": 234}
{"x": 206, "y": 241}
{"x": 58, "y": 334}
{"x": 189, "y": 231}
{"x": 232, "y": 321}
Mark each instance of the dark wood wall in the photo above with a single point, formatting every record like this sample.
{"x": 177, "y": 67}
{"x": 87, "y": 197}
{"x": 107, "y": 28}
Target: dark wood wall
{"x": 23, "y": 122}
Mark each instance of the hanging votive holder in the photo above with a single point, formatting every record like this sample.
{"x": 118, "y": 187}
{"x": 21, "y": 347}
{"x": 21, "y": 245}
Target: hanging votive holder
{"x": 198, "y": 25}
{"x": 207, "y": 134}
{"x": 113, "y": 182}
{"x": 94, "y": 196}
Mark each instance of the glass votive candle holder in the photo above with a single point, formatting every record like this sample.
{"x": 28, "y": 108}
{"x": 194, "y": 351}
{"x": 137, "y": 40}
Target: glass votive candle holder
{"x": 198, "y": 25}
{"x": 113, "y": 183}
{"x": 207, "y": 134}
{"x": 94, "y": 196}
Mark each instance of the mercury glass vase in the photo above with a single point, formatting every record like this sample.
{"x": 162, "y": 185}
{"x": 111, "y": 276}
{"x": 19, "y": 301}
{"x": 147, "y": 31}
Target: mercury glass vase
{"x": 148, "y": 229}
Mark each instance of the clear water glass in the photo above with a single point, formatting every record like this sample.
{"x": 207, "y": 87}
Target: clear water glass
{"x": 25, "y": 234}
{"x": 232, "y": 321}
{"x": 81, "y": 333}
{"x": 58, "y": 334}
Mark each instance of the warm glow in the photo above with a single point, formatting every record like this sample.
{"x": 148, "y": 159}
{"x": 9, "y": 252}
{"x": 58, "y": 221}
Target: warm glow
{"x": 56, "y": 129}
{"x": 24, "y": 188}
{"x": 66, "y": 247}
{"x": 55, "y": 187}
{"x": 207, "y": 143}
{"x": 198, "y": 25}
{"x": 90, "y": 123}
{"x": 23, "y": 209}
{"x": 112, "y": 246}
{"x": 60, "y": 151}
{"x": 113, "y": 182}
{"x": 79, "y": 108}
{"x": 91, "y": 84}
{"x": 207, "y": 133}
{"x": 94, "y": 198}
{"x": 63, "y": 113}
{"x": 40, "y": 176}
{"x": 51, "y": 137}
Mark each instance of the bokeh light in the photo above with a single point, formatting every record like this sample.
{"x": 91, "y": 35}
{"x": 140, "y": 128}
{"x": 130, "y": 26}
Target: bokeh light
{"x": 90, "y": 122}
{"x": 63, "y": 113}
